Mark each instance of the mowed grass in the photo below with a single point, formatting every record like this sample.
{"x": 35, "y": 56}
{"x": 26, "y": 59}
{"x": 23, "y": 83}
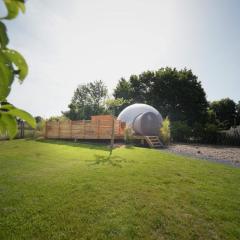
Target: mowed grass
{"x": 61, "y": 190}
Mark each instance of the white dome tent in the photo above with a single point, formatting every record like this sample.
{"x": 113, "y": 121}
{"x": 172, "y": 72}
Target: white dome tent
{"x": 142, "y": 118}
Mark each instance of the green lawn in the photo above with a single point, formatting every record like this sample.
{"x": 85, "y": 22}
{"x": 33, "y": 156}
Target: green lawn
{"x": 60, "y": 190}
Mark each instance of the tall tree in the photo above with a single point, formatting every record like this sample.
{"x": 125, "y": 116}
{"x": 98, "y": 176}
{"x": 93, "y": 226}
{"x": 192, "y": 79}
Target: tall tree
{"x": 88, "y": 100}
{"x": 177, "y": 94}
{"x": 123, "y": 90}
{"x": 238, "y": 112}
{"x": 226, "y": 113}
{"x": 12, "y": 66}
{"x": 115, "y": 106}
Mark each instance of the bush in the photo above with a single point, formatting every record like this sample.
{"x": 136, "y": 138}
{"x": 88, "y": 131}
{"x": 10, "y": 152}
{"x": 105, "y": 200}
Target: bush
{"x": 128, "y": 135}
{"x": 165, "y": 132}
{"x": 210, "y": 134}
{"x": 180, "y": 131}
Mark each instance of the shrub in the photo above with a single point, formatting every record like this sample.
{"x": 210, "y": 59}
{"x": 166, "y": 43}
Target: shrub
{"x": 197, "y": 132}
{"x": 210, "y": 134}
{"x": 165, "y": 132}
{"x": 128, "y": 135}
{"x": 180, "y": 131}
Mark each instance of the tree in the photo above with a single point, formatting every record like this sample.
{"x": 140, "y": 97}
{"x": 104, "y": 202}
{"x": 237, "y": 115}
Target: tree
{"x": 123, "y": 90}
{"x": 115, "y": 106}
{"x": 226, "y": 113}
{"x": 12, "y": 66}
{"x": 88, "y": 100}
{"x": 238, "y": 113}
{"x": 177, "y": 94}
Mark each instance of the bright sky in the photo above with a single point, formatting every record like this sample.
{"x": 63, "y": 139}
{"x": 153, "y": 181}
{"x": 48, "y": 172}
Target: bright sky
{"x": 67, "y": 43}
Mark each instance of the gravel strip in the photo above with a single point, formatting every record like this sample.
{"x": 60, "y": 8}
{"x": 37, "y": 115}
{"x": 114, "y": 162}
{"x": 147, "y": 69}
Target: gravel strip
{"x": 221, "y": 154}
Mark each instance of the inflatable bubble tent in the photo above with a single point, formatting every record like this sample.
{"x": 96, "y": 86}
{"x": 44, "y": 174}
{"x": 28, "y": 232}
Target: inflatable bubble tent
{"x": 142, "y": 118}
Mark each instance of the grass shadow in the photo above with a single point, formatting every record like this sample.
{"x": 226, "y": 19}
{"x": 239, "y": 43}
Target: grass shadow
{"x": 90, "y": 145}
{"x": 115, "y": 161}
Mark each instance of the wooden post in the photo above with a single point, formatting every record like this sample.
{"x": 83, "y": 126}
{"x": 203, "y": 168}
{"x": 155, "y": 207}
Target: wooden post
{"x": 71, "y": 129}
{"x": 83, "y": 128}
{"x": 98, "y": 129}
{"x": 112, "y": 136}
{"x": 119, "y": 127}
{"x": 46, "y": 130}
{"x": 22, "y": 129}
{"x": 58, "y": 129}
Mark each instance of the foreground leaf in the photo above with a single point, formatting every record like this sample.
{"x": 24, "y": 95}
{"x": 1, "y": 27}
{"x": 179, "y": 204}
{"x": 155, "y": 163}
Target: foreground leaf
{"x": 8, "y": 125}
{"x": 13, "y": 7}
{"x": 15, "y": 112}
{"x": 17, "y": 59}
{"x": 3, "y": 35}
{"x": 6, "y": 76}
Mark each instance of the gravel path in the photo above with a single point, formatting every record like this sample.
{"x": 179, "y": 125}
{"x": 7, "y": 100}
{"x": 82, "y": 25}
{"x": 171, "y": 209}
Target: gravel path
{"x": 222, "y": 154}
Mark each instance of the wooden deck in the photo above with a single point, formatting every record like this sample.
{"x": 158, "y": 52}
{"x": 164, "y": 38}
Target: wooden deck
{"x": 99, "y": 127}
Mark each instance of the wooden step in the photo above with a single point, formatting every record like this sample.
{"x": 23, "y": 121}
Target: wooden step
{"x": 153, "y": 141}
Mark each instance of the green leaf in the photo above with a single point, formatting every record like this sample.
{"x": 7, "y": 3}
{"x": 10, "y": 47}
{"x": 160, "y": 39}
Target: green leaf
{"x": 4, "y": 88}
{"x": 8, "y": 125}
{"x": 15, "y": 112}
{"x": 12, "y": 8}
{"x": 6, "y": 76}
{"x": 21, "y": 6}
{"x": 3, "y": 35}
{"x": 17, "y": 59}
{"x": 24, "y": 116}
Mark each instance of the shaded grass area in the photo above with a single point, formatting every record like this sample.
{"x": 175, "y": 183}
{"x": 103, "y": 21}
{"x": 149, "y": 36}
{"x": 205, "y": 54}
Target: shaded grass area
{"x": 64, "y": 190}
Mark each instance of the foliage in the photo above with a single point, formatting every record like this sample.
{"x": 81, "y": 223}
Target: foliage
{"x": 211, "y": 117}
{"x": 177, "y": 94}
{"x": 38, "y": 119}
{"x": 165, "y": 131}
{"x": 225, "y": 111}
{"x": 40, "y": 125}
{"x": 210, "y": 133}
{"x": 123, "y": 90}
{"x": 57, "y": 118}
{"x": 88, "y": 100}
{"x": 128, "y": 135}
{"x": 238, "y": 112}
{"x": 12, "y": 66}
{"x": 115, "y": 106}
{"x": 64, "y": 190}
{"x": 180, "y": 131}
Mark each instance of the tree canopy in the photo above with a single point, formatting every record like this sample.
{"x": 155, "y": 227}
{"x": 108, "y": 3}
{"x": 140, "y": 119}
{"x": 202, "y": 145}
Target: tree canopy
{"x": 225, "y": 111}
{"x": 176, "y": 94}
{"x": 88, "y": 99}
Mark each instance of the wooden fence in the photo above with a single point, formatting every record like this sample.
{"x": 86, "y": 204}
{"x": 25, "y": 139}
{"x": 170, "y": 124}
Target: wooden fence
{"x": 99, "y": 127}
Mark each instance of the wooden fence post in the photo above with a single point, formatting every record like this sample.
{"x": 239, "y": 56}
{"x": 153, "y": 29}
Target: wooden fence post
{"x": 98, "y": 128}
{"x": 46, "y": 130}
{"x": 119, "y": 127}
{"x": 112, "y": 136}
{"x": 71, "y": 128}
{"x": 83, "y": 129}
{"x": 21, "y": 129}
{"x": 58, "y": 129}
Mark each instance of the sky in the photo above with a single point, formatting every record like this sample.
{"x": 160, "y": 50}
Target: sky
{"x": 67, "y": 43}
